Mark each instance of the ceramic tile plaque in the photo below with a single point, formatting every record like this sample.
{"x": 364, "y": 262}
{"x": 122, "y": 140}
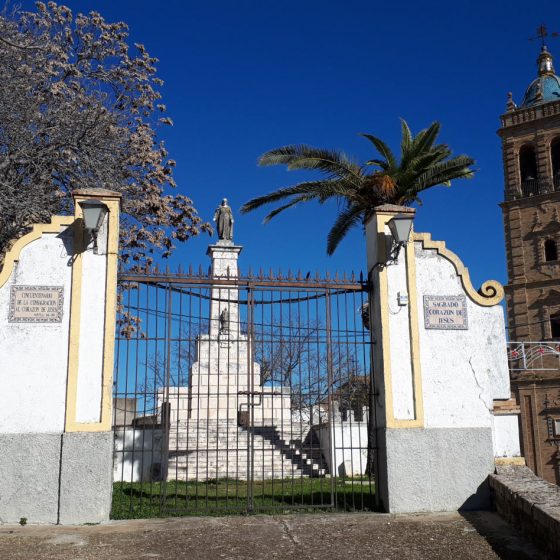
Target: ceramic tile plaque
{"x": 445, "y": 312}
{"x": 36, "y": 304}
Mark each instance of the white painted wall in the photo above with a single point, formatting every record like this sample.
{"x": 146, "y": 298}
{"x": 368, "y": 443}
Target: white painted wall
{"x": 463, "y": 371}
{"x": 92, "y": 330}
{"x": 34, "y": 356}
{"x": 401, "y": 365}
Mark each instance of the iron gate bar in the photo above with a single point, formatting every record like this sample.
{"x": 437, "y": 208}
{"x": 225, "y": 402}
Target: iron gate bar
{"x": 296, "y": 309}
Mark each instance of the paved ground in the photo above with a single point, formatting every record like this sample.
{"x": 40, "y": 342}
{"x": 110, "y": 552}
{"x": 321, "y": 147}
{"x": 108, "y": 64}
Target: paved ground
{"x": 478, "y": 536}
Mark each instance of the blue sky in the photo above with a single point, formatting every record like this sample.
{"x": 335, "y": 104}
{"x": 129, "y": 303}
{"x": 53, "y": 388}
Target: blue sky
{"x": 242, "y": 77}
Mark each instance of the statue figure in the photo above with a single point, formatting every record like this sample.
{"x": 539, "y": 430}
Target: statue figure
{"x": 224, "y": 221}
{"x": 224, "y": 321}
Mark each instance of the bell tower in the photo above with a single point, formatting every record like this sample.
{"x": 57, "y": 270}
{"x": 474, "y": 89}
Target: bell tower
{"x": 530, "y": 136}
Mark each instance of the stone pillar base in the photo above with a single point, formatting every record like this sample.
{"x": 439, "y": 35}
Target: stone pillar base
{"x": 56, "y": 478}
{"x": 434, "y": 469}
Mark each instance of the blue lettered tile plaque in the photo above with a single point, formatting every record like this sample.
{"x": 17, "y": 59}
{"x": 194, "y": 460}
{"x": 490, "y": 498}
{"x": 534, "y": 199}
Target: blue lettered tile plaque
{"x": 446, "y": 312}
{"x": 36, "y": 304}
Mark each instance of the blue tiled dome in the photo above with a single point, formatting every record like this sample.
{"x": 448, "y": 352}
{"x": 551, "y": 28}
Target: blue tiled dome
{"x": 549, "y": 86}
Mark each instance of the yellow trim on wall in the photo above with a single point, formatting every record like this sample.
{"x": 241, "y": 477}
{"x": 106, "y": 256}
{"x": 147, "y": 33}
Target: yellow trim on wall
{"x": 12, "y": 256}
{"x": 491, "y": 292}
{"x": 104, "y": 425}
{"x": 414, "y": 334}
{"x": 110, "y": 314}
{"x": 74, "y": 335}
{"x": 385, "y": 361}
{"x": 390, "y": 421}
{"x": 509, "y": 461}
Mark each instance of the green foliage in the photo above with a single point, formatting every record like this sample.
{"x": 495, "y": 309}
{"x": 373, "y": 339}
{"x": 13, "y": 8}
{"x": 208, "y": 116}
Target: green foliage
{"x": 360, "y": 188}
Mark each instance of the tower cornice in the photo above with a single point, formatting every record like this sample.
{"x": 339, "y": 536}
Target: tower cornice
{"x": 524, "y": 115}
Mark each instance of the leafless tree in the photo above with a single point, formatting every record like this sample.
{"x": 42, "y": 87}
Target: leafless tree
{"x": 320, "y": 372}
{"x": 80, "y": 109}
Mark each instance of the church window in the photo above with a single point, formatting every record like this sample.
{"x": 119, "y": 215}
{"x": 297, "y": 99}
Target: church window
{"x": 528, "y": 170}
{"x": 555, "y": 325}
{"x": 555, "y": 160}
{"x": 550, "y": 250}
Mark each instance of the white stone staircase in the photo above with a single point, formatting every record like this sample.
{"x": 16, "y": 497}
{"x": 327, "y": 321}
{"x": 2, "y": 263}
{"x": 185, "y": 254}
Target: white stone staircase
{"x": 212, "y": 449}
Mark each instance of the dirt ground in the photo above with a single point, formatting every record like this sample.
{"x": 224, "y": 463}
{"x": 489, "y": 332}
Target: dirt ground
{"x": 476, "y": 536}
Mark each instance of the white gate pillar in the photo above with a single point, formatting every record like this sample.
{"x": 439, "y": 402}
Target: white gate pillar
{"x": 439, "y": 361}
{"x": 57, "y": 331}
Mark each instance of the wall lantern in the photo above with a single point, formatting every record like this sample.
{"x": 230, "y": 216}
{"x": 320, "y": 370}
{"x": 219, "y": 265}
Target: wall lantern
{"x": 94, "y": 212}
{"x": 400, "y": 226}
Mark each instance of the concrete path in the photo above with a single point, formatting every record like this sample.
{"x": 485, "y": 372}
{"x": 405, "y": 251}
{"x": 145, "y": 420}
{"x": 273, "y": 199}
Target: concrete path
{"x": 477, "y": 536}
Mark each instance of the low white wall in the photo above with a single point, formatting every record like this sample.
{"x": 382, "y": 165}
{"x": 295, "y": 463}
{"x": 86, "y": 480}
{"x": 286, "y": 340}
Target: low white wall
{"x": 345, "y": 451}
{"x": 506, "y": 435}
{"x": 137, "y": 454}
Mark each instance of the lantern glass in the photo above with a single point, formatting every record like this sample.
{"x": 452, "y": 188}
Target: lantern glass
{"x": 94, "y": 213}
{"x": 400, "y": 227}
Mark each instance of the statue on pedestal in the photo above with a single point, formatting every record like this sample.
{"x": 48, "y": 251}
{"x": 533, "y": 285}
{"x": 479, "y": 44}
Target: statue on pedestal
{"x": 224, "y": 321}
{"x": 224, "y": 221}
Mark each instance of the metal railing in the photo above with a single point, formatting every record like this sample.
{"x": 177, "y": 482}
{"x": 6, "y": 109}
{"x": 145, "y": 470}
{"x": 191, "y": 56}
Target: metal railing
{"x": 530, "y": 187}
{"x": 534, "y": 356}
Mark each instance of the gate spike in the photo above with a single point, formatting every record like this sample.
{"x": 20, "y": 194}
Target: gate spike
{"x": 156, "y": 269}
{"x": 353, "y": 277}
{"x": 271, "y": 274}
{"x": 279, "y": 275}
{"x": 290, "y": 277}
{"x": 167, "y": 271}
{"x": 227, "y": 272}
{"x": 336, "y": 278}
{"x": 299, "y": 276}
{"x": 180, "y": 270}
{"x": 317, "y": 276}
{"x": 328, "y": 276}
{"x": 200, "y": 273}
{"x": 308, "y": 275}
{"x": 261, "y": 273}
{"x": 361, "y": 277}
{"x": 209, "y": 270}
{"x": 250, "y": 272}
{"x": 344, "y": 277}
{"x": 190, "y": 270}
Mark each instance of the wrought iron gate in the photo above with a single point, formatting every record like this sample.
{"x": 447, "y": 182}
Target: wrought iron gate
{"x": 240, "y": 394}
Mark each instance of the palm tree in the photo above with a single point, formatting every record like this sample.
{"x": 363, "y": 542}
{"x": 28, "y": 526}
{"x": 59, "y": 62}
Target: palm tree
{"x": 360, "y": 188}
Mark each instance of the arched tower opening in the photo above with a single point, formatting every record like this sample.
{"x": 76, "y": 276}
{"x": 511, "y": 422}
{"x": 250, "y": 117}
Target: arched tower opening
{"x": 555, "y": 160}
{"x": 550, "y": 250}
{"x": 528, "y": 170}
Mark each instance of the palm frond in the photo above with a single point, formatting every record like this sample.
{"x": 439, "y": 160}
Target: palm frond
{"x": 301, "y": 156}
{"x": 345, "y": 221}
{"x": 455, "y": 168}
{"x": 320, "y": 190}
{"x": 425, "y": 139}
{"x": 381, "y": 163}
{"x": 406, "y": 139}
{"x": 293, "y": 202}
{"x": 383, "y": 149}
